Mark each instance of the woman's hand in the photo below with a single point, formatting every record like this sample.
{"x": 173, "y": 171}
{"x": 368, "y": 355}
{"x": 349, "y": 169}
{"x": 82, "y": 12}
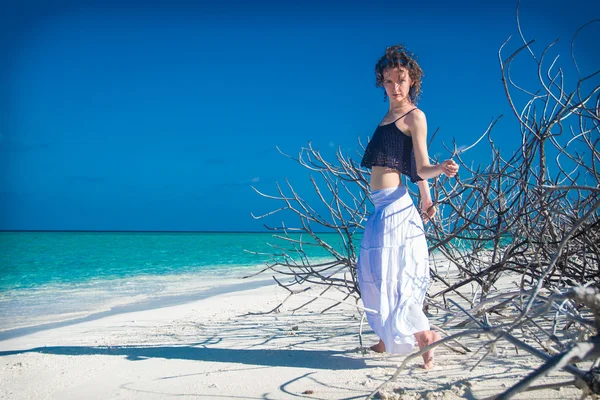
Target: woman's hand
{"x": 428, "y": 211}
{"x": 449, "y": 168}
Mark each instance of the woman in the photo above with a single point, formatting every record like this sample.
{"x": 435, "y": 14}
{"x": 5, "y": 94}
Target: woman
{"x": 393, "y": 265}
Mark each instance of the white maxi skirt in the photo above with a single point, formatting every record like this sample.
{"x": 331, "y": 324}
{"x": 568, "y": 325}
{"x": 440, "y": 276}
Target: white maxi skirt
{"x": 393, "y": 270}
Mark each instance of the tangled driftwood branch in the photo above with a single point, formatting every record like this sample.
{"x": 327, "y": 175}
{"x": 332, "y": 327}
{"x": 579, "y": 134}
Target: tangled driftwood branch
{"x": 530, "y": 216}
{"x": 589, "y": 381}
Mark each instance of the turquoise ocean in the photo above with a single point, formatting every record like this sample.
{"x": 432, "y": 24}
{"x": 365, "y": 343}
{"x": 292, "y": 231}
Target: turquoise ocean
{"x": 47, "y": 277}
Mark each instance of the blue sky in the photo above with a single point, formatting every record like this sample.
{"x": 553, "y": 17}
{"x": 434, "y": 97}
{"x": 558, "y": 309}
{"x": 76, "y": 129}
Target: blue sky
{"x": 123, "y": 116}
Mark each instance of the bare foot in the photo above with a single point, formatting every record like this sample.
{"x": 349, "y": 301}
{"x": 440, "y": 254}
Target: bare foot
{"x": 379, "y": 347}
{"x": 424, "y": 339}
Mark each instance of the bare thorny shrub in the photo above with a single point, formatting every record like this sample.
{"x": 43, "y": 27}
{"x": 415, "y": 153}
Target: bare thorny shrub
{"x": 531, "y": 216}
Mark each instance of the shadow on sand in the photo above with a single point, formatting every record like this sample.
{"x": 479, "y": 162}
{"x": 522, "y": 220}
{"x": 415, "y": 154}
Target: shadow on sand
{"x": 317, "y": 359}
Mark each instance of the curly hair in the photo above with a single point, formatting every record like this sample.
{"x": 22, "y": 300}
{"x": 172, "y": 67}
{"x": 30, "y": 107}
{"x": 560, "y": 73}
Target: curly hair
{"x": 398, "y": 56}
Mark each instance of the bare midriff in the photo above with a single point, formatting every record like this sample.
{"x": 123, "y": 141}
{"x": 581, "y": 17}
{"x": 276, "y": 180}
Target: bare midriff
{"x": 384, "y": 177}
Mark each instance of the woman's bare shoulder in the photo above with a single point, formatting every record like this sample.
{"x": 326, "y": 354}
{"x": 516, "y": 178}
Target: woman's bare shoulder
{"x": 416, "y": 115}
{"x": 415, "y": 120}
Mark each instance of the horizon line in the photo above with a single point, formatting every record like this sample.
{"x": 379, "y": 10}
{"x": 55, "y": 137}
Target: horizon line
{"x": 141, "y": 231}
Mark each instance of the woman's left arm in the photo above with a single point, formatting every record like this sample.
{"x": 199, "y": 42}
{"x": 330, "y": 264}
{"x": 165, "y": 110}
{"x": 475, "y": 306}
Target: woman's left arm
{"x": 418, "y": 131}
{"x": 417, "y": 123}
{"x": 427, "y": 208}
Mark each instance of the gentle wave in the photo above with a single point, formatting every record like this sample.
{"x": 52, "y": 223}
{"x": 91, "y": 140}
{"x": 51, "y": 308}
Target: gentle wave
{"x": 57, "y": 302}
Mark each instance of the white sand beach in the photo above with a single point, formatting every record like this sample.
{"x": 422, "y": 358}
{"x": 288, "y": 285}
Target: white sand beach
{"x": 211, "y": 347}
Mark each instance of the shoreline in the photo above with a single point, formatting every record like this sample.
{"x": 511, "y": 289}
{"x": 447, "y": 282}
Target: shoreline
{"x": 143, "y": 305}
{"x": 22, "y": 309}
{"x": 49, "y": 305}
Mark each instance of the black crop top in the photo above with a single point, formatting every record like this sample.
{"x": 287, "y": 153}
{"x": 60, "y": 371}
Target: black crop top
{"x": 390, "y": 147}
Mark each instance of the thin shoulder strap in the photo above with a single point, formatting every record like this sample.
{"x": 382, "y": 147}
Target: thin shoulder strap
{"x": 404, "y": 115}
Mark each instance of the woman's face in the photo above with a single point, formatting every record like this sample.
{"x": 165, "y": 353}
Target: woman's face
{"x": 397, "y": 84}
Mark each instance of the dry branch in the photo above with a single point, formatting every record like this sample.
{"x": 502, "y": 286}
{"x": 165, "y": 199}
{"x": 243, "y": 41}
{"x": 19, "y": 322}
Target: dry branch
{"x": 530, "y": 216}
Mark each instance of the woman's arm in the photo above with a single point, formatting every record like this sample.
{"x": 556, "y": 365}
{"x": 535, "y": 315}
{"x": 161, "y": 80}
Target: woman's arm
{"x": 418, "y": 131}
{"x": 428, "y": 211}
{"x": 424, "y": 191}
